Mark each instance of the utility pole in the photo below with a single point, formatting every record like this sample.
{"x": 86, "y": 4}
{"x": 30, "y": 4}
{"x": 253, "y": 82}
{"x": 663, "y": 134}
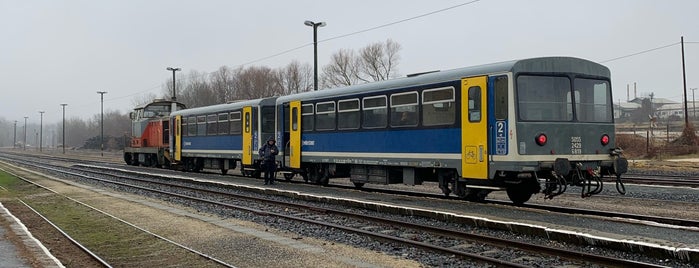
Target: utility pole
{"x": 14, "y": 140}
{"x": 41, "y": 131}
{"x": 25, "y": 133}
{"x": 694, "y": 106}
{"x": 102, "y": 121}
{"x": 684, "y": 81}
{"x": 64, "y": 127}
{"x": 174, "y": 92}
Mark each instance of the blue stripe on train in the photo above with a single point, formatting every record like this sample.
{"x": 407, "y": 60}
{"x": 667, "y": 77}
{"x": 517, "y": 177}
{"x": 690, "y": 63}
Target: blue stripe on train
{"x": 385, "y": 141}
{"x": 228, "y": 142}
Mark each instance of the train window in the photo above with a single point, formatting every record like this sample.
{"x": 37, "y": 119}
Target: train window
{"x": 184, "y": 127}
{"x": 223, "y": 124}
{"x": 374, "y": 112}
{"x": 236, "y": 124}
{"x": 268, "y": 120}
{"x": 474, "y": 104}
{"x": 593, "y": 102}
{"x": 307, "y": 122}
{"x": 295, "y": 119}
{"x": 438, "y": 106}
{"x": 404, "y": 109}
{"x": 348, "y": 114}
{"x": 544, "y": 98}
{"x": 192, "y": 125}
{"x": 325, "y": 116}
{"x": 211, "y": 124}
{"x": 501, "y": 99}
{"x": 201, "y": 125}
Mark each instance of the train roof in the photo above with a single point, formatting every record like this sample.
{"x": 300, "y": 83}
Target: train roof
{"x": 159, "y": 102}
{"x": 531, "y": 65}
{"x": 225, "y": 107}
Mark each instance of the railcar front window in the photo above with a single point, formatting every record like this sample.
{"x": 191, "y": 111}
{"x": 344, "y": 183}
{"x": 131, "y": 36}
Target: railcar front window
{"x": 544, "y": 98}
{"x": 593, "y": 102}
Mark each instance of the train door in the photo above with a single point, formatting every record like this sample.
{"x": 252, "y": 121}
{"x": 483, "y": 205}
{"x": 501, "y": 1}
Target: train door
{"x": 247, "y": 135}
{"x": 177, "y": 129}
{"x": 474, "y": 139}
{"x": 295, "y": 134}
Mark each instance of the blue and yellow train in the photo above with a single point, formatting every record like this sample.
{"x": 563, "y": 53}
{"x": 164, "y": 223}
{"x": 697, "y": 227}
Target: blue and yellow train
{"x": 523, "y": 126}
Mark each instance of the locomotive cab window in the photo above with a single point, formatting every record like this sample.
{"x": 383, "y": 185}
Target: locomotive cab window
{"x": 348, "y": 114}
{"x": 438, "y": 106}
{"x": 404, "y": 109}
{"x": 593, "y": 102}
{"x": 374, "y": 112}
{"x": 544, "y": 98}
{"x": 325, "y": 116}
{"x": 474, "y": 104}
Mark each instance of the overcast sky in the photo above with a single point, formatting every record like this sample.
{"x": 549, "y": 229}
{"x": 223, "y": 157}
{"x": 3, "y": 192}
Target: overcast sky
{"x": 54, "y": 51}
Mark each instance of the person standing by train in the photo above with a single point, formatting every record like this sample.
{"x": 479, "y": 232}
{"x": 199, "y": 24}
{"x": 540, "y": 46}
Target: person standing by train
{"x": 268, "y": 153}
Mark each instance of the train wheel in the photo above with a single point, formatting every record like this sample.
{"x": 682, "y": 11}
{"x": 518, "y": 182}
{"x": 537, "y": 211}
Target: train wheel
{"x": 518, "y": 196}
{"x": 304, "y": 175}
{"x": 358, "y": 184}
{"x": 224, "y": 171}
{"x": 289, "y": 176}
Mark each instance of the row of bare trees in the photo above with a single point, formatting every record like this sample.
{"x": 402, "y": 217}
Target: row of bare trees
{"x": 374, "y": 62}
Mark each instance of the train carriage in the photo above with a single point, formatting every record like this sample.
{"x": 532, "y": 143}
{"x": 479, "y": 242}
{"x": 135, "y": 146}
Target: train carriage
{"x": 502, "y": 126}
{"x": 222, "y": 136}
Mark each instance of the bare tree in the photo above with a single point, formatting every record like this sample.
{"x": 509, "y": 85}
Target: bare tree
{"x": 294, "y": 78}
{"x": 374, "y": 62}
{"x": 196, "y": 91}
{"x": 222, "y": 84}
{"x": 378, "y": 61}
{"x": 255, "y": 82}
{"x": 343, "y": 70}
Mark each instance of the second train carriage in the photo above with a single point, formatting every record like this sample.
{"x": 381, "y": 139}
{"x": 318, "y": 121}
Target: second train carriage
{"x": 223, "y": 136}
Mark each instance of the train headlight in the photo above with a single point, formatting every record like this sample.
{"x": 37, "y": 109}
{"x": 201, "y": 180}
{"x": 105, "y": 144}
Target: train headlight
{"x": 541, "y": 139}
{"x": 605, "y": 139}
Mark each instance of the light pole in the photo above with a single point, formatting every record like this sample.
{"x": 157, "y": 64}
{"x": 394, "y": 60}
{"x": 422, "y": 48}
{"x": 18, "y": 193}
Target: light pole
{"x": 102, "y": 121}
{"x": 174, "y": 93}
{"x": 694, "y": 106}
{"x": 41, "y": 130}
{"x": 315, "y": 49}
{"x": 25, "y": 133}
{"x": 64, "y": 127}
{"x": 14, "y": 140}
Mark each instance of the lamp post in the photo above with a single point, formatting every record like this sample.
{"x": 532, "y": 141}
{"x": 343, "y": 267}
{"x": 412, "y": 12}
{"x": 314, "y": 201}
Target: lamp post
{"x": 174, "y": 93}
{"x": 25, "y": 133}
{"x": 41, "y": 130}
{"x": 14, "y": 139}
{"x": 102, "y": 121}
{"x": 64, "y": 127}
{"x": 315, "y": 49}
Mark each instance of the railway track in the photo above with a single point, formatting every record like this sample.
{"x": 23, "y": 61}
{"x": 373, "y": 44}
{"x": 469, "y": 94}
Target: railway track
{"x": 97, "y": 258}
{"x": 380, "y": 228}
{"x": 558, "y": 209}
{"x": 381, "y": 235}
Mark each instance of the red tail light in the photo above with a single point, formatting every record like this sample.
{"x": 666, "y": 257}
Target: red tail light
{"x": 605, "y": 139}
{"x": 541, "y": 139}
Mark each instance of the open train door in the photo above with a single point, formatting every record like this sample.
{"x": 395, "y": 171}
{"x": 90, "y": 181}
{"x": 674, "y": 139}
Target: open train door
{"x": 295, "y": 134}
{"x": 247, "y": 135}
{"x": 474, "y": 139}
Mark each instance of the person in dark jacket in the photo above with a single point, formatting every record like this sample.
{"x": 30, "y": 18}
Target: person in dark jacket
{"x": 268, "y": 153}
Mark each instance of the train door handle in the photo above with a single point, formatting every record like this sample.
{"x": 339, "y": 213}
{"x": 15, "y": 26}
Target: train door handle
{"x": 480, "y": 153}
